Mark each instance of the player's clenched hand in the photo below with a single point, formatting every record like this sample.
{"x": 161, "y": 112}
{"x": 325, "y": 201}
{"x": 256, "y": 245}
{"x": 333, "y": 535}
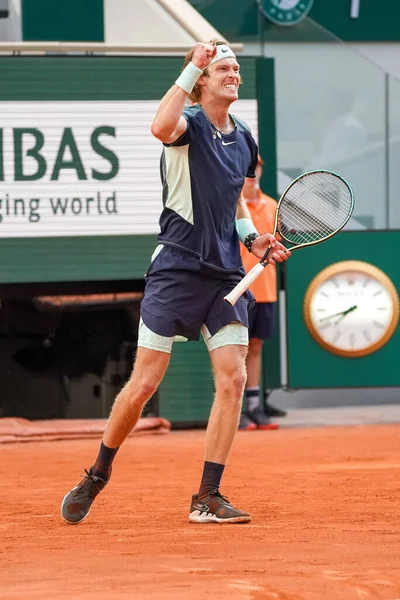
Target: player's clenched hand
{"x": 203, "y": 55}
{"x": 278, "y": 252}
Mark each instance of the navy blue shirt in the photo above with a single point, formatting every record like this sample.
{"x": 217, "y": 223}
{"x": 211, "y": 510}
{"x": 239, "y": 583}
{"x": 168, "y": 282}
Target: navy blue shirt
{"x": 202, "y": 178}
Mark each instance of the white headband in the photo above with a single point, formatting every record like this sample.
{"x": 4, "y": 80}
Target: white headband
{"x": 223, "y": 51}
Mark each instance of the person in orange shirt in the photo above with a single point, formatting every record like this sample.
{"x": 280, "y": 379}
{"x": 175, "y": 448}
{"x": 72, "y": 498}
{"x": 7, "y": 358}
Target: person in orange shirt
{"x": 263, "y": 315}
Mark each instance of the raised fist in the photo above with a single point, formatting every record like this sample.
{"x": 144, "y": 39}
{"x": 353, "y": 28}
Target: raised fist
{"x": 203, "y": 55}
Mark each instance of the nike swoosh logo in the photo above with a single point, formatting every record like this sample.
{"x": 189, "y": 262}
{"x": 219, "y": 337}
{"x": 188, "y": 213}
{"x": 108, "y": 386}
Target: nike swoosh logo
{"x": 224, "y": 50}
{"x": 201, "y": 507}
{"x": 227, "y": 143}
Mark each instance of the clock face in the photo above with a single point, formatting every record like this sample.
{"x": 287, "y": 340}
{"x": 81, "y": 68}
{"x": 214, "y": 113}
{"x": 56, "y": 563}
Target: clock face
{"x": 351, "y": 308}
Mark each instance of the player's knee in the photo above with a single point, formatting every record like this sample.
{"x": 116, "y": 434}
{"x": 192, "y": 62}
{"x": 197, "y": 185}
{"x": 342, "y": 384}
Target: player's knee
{"x": 239, "y": 381}
{"x": 147, "y": 388}
{"x": 231, "y": 384}
{"x": 141, "y": 390}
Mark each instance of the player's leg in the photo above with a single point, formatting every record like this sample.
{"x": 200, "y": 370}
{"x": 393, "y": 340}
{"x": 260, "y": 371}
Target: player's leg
{"x": 252, "y": 390}
{"x": 253, "y": 365}
{"x": 266, "y": 329}
{"x": 245, "y": 422}
{"x": 152, "y": 358}
{"x": 260, "y": 328}
{"x": 149, "y": 369}
{"x": 252, "y": 409}
{"x": 228, "y": 348}
{"x": 230, "y": 375}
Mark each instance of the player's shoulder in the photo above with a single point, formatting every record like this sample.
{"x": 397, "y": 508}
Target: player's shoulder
{"x": 191, "y": 112}
{"x": 241, "y": 125}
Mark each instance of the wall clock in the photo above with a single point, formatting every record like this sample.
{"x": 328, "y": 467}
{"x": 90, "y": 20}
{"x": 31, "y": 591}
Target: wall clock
{"x": 351, "y": 308}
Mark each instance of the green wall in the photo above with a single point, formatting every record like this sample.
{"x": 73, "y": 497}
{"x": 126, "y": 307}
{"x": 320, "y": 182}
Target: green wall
{"x": 98, "y": 77}
{"x": 62, "y": 20}
{"x": 265, "y": 83}
{"x": 309, "y": 365}
{"x": 378, "y": 21}
{"x": 187, "y": 390}
{"x": 265, "y": 80}
{"x": 91, "y": 258}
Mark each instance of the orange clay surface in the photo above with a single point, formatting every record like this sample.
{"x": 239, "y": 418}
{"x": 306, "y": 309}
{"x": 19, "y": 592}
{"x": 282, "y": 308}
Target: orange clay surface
{"x": 326, "y": 519}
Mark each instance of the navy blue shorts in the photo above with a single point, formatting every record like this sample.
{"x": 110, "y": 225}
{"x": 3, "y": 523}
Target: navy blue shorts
{"x": 182, "y": 294}
{"x": 262, "y": 320}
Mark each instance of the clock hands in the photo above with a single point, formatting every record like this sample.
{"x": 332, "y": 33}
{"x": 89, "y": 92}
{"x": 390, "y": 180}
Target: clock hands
{"x": 346, "y": 312}
{"x": 341, "y": 315}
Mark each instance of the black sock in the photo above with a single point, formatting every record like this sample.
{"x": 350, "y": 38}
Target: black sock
{"x": 102, "y": 466}
{"x": 252, "y": 398}
{"x": 211, "y": 479}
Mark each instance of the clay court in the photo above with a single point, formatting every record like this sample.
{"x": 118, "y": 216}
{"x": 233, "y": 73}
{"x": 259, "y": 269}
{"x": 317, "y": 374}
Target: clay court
{"x": 325, "y": 506}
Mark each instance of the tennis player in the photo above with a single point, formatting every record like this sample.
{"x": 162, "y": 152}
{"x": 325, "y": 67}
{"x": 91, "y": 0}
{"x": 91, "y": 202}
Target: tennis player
{"x": 206, "y": 156}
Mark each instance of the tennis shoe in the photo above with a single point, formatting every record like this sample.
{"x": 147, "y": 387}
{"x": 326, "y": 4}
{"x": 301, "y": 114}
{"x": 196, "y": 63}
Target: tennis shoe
{"x": 215, "y": 508}
{"x": 272, "y": 411}
{"x": 246, "y": 424}
{"x": 258, "y": 417}
{"x": 77, "y": 503}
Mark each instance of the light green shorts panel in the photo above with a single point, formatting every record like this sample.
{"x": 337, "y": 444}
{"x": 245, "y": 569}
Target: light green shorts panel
{"x": 230, "y": 335}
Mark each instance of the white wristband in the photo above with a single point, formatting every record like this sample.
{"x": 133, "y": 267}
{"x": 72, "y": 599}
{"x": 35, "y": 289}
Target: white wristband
{"x": 244, "y": 227}
{"x": 187, "y": 79}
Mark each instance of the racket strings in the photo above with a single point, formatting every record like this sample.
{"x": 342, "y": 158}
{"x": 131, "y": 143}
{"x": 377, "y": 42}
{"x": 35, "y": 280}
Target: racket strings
{"x": 314, "y": 207}
{"x": 301, "y": 225}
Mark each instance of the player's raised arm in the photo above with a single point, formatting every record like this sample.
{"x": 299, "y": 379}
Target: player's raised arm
{"x": 169, "y": 124}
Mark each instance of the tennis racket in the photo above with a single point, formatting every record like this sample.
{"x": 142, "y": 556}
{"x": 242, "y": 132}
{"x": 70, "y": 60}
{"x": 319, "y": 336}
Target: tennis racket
{"x": 314, "y": 207}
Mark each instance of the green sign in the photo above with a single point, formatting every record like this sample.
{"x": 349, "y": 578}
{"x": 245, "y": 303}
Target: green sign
{"x": 309, "y": 364}
{"x": 287, "y": 12}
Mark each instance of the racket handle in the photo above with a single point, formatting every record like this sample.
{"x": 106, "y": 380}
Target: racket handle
{"x": 244, "y": 285}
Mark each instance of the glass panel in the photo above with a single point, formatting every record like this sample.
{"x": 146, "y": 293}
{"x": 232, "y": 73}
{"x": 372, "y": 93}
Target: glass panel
{"x": 394, "y": 152}
{"x": 331, "y": 107}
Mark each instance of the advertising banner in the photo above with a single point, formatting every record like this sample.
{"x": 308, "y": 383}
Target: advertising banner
{"x": 82, "y": 168}
{"x": 78, "y": 168}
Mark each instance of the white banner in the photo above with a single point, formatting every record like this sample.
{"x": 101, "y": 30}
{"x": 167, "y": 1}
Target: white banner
{"x": 82, "y": 168}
